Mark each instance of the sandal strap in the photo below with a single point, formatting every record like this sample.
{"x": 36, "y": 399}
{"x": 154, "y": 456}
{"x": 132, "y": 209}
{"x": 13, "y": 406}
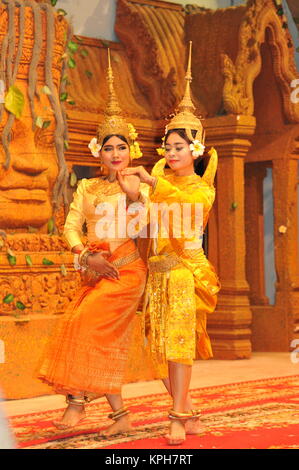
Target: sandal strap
{"x": 118, "y": 413}
{"x": 71, "y": 400}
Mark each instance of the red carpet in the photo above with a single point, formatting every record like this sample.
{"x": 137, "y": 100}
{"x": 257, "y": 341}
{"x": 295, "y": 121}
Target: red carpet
{"x": 261, "y": 414}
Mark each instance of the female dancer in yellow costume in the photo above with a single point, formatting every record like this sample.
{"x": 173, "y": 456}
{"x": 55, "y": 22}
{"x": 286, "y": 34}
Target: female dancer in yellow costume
{"x": 182, "y": 283}
{"x": 87, "y": 355}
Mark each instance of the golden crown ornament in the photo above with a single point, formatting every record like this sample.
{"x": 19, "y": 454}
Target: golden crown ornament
{"x": 186, "y": 119}
{"x": 114, "y": 123}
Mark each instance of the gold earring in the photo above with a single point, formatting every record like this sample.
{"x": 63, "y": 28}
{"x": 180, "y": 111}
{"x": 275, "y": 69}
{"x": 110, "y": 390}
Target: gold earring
{"x": 101, "y": 165}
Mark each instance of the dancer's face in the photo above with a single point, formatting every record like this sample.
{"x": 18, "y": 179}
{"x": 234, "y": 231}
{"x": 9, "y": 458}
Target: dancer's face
{"x": 178, "y": 155}
{"x": 115, "y": 154}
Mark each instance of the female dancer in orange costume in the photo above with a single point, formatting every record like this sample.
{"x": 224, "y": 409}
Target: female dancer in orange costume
{"x": 182, "y": 283}
{"x": 87, "y": 356}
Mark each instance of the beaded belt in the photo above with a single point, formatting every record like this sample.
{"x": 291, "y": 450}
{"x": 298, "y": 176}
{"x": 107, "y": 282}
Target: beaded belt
{"x": 118, "y": 263}
{"x": 163, "y": 265}
{"x": 92, "y": 276}
{"x": 169, "y": 261}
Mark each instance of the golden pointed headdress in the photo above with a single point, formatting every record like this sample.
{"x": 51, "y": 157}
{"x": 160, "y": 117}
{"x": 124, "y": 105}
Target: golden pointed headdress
{"x": 185, "y": 117}
{"x": 114, "y": 123}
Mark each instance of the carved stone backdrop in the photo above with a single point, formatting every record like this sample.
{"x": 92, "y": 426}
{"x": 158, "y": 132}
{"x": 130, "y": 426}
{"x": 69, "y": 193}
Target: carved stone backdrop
{"x": 243, "y": 67}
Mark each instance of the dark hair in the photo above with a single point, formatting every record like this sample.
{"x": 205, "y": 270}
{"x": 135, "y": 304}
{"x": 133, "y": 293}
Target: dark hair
{"x": 121, "y": 137}
{"x": 182, "y": 133}
{"x": 198, "y": 163}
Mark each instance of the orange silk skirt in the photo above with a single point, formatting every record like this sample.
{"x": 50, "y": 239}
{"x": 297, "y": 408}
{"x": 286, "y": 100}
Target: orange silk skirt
{"x": 88, "y": 350}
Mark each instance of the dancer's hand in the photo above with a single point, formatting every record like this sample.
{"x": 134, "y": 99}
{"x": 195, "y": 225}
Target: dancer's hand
{"x": 98, "y": 263}
{"x": 141, "y": 172}
{"x": 130, "y": 185}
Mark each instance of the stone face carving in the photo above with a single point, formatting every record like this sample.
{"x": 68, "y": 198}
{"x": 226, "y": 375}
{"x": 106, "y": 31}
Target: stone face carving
{"x": 33, "y": 170}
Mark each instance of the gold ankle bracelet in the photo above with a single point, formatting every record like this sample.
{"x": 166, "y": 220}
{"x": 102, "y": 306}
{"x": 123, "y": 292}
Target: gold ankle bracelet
{"x": 118, "y": 414}
{"x": 196, "y": 413}
{"x": 183, "y": 416}
{"x": 75, "y": 401}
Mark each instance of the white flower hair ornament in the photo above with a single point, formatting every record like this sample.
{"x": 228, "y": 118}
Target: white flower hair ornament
{"x": 94, "y": 147}
{"x": 197, "y": 148}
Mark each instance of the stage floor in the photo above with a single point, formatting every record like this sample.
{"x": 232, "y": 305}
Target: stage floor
{"x": 205, "y": 374}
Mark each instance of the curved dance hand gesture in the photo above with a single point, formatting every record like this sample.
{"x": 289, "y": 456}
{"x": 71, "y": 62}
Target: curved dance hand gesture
{"x": 142, "y": 174}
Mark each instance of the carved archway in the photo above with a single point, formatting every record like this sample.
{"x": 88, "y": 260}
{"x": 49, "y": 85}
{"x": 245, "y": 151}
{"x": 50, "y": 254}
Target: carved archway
{"x": 238, "y": 97}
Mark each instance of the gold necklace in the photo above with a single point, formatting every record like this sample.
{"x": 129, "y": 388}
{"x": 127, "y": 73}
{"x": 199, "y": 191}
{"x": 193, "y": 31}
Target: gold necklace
{"x": 103, "y": 188}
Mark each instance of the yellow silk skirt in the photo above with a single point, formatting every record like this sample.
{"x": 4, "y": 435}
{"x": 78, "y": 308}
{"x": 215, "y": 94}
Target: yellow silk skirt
{"x": 89, "y": 350}
{"x": 178, "y": 301}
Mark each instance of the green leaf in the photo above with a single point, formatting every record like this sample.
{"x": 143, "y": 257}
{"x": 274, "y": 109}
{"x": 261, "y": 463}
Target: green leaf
{"x": 39, "y": 122}
{"x": 105, "y": 43}
{"x": 53, "y": 3}
{"x": 28, "y": 260}
{"x": 10, "y": 252}
{"x": 88, "y": 73}
{"x": 11, "y": 259}
{"x": 66, "y": 80}
{"x": 8, "y": 299}
{"x": 63, "y": 96}
{"x": 71, "y": 63}
{"x": 14, "y": 101}
{"x": 20, "y": 305}
{"x": 66, "y": 145}
{"x": 32, "y": 229}
{"x": 46, "y": 90}
{"x": 62, "y": 12}
{"x": 234, "y": 205}
{"x": 84, "y": 52}
{"x": 72, "y": 102}
{"x": 47, "y": 262}
{"x": 46, "y": 124}
{"x": 63, "y": 270}
{"x": 51, "y": 225}
{"x": 73, "y": 179}
{"x": 72, "y": 46}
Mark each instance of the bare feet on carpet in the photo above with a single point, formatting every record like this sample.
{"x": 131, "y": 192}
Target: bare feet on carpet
{"x": 194, "y": 426}
{"x": 72, "y": 416}
{"x": 122, "y": 425}
{"x": 177, "y": 433}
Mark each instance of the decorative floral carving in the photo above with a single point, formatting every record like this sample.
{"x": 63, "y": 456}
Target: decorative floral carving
{"x": 33, "y": 242}
{"x": 40, "y": 293}
{"x": 159, "y": 86}
{"x": 239, "y": 76}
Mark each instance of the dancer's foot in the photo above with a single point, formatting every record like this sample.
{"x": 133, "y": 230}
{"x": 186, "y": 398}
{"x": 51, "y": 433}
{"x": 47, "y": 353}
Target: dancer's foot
{"x": 194, "y": 426}
{"x": 177, "y": 433}
{"x": 72, "y": 416}
{"x": 122, "y": 425}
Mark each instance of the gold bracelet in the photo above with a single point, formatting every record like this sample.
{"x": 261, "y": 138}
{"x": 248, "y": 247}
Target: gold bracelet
{"x": 82, "y": 260}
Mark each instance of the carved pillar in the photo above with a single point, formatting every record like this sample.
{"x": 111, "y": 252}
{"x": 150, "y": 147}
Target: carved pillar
{"x": 285, "y": 187}
{"x": 229, "y": 326}
{"x": 254, "y": 232}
